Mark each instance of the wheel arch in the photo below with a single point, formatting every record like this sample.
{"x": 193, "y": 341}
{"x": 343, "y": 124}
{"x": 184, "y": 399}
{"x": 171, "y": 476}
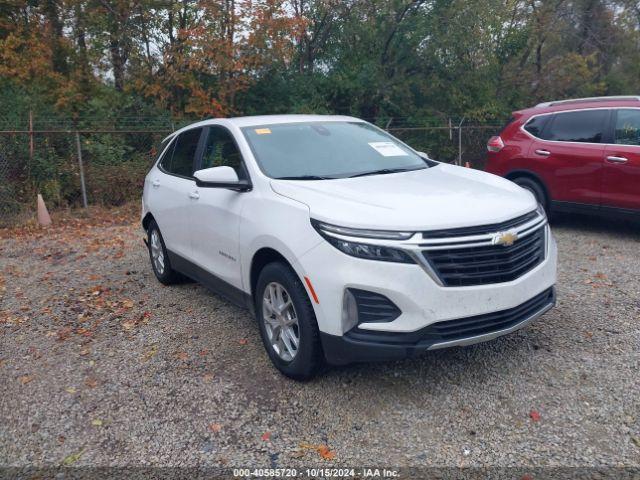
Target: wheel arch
{"x": 147, "y": 220}
{"x": 512, "y": 175}
{"x": 260, "y": 259}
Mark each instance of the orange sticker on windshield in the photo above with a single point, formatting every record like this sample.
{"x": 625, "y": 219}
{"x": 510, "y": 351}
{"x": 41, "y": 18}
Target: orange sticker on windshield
{"x": 263, "y": 131}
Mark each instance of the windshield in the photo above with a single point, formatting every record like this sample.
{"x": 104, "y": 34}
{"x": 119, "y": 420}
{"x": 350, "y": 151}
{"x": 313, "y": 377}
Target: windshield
{"x": 328, "y": 150}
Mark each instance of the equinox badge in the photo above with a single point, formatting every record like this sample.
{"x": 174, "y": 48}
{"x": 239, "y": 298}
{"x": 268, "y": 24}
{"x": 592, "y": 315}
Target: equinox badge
{"x": 506, "y": 239}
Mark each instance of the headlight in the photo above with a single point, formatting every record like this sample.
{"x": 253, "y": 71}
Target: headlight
{"x": 364, "y": 250}
{"x": 541, "y": 211}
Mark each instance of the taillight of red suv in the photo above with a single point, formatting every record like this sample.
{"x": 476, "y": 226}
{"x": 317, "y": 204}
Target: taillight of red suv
{"x": 495, "y": 144}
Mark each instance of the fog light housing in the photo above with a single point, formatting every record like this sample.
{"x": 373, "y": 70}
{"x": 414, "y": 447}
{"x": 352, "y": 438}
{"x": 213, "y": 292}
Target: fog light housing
{"x": 363, "y": 306}
{"x": 349, "y": 311}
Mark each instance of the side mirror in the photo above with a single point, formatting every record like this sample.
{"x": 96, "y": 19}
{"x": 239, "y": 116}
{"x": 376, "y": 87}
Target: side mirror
{"x": 221, "y": 177}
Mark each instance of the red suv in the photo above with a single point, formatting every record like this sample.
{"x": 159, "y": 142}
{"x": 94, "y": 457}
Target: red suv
{"x": 574, "y": 155}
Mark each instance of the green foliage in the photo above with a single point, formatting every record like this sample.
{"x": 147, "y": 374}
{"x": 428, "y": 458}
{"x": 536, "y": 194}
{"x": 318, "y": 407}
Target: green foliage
{"x": 140, "y": 65}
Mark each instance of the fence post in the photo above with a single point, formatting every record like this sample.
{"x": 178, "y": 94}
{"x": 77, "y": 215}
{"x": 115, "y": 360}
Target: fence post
{"x": 31, "y": 146}
{"x": 82, "y": 184}
{"x": 460, "y": 141}
{"x": 388, "y": 124}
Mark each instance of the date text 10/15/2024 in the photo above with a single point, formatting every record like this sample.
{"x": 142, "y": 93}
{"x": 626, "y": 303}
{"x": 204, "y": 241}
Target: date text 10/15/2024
{"x": 315, "y": 472}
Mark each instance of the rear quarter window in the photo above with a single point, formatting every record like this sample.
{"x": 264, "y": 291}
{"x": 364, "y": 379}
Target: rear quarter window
{"x": 536, "y": 125}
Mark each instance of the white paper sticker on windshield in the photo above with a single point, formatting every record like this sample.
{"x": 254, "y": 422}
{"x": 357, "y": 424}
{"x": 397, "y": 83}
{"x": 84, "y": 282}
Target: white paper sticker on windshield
{"x": 388, "y": 149}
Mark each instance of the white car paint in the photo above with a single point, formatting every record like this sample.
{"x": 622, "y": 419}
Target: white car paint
{"x": 221, "y": 230}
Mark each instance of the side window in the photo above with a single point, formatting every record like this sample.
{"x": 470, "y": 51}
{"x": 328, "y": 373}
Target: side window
{"x": 221, "y": 150}
{"x": 536, "y": 125}
{"x": 627, "y": 130}
{"x": 581, "y": 126}
{"x": 165, "y": 162}
{"x": 183, "y": 151}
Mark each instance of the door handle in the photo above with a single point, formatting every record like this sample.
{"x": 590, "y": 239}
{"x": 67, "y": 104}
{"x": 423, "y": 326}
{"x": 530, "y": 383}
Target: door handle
{"x": 195, "y": 195}
{"x": 614, "y": 159}
{"x": 544, "y": 153}
{"x": 155, "y": 183}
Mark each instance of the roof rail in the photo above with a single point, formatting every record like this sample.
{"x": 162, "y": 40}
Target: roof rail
{"x": 589, "y": 99}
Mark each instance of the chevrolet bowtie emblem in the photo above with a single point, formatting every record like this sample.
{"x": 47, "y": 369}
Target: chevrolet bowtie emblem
{"x": 506, "y": 239}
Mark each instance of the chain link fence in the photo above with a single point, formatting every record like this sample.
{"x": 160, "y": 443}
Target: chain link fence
{"x": 66, "y": 167}
{"x": 112, "y": 163}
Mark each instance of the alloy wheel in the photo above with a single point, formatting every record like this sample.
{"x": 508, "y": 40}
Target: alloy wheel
{"x": 280, "y": 321}
{"x": 157, "y": 254}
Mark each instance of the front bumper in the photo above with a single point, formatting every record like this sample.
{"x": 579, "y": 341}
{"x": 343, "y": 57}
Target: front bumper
{"x": 365, "y": 346}
{"x": 421, "y": 301}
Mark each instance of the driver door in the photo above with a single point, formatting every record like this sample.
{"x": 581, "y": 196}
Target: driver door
{"x": 215, "y": 215}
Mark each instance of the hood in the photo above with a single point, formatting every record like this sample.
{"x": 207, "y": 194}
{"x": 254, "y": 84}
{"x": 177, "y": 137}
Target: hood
{"x": 444, "y": 196}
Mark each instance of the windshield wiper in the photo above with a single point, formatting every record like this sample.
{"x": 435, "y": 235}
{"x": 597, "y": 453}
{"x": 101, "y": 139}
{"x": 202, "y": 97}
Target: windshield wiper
{"x": 384, "y": 171}
{"x": 305, "y": 177}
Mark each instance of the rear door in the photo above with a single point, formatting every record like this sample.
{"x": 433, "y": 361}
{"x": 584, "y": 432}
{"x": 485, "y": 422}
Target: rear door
{"x": 621, "y": 181}
{"x": 568, "y": 155}
{"x": 170, "y": 191}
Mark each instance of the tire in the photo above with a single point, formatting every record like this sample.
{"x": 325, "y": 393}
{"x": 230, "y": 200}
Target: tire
{"x": 536, "y": 189}
{"x": 307, "y": 358}
{"x": 162, "y": 269}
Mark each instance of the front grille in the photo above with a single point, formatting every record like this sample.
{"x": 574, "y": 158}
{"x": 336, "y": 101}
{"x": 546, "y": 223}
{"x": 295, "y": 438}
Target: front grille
{"x": 490, "y": 322}
{"x": 480, "y": 265}
{"x": 481, "y": 229}
{"x": 373, "y": 307}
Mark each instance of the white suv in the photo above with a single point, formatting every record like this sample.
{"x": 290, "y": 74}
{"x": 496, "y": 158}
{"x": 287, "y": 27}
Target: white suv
{"x": 346, "y": 243}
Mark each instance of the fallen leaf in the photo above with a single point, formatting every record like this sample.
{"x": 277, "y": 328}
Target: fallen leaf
{"x": 207, "y": 377}
{"x": 215, "y": 427}
{"x": 26, "y": 379}
{"x": 535, "y": 416}
{"x": 243, "y": 341}
{"x": 322, "y": 450}
{"x": 128, "y": 325}
{"x": 73, "y": 458}
{"x": 70, "y": 390}
{"x": 128, "y": 303}
{"x": 325, "y": 453}
{"x": 96, "y": 422}
{"x": 91, "y": 382}
{"x": 636, "y": 440}
{"x": 64, "y": 333}
{"x": 149, "y": 354}
{"x": 182, "y": 356}
{"x": 266, "y": 436}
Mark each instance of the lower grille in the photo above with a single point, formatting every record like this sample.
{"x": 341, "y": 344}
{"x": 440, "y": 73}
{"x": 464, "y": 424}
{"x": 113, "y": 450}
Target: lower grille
{"x": 458, "y": 267}
{"x": 460, "y": 329}
{"x": 490, "y": 322}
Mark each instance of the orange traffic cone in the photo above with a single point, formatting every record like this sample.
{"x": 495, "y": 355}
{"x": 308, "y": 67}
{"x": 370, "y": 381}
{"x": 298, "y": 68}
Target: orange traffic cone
{"x": 43, "y": 215}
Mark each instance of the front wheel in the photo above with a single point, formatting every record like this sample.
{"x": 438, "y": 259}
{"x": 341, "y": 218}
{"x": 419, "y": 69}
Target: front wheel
{"x": 287, "y": 322}
{"x": 158, "y": 256}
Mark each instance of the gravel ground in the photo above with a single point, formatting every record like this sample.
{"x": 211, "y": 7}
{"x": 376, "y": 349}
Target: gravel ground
{"x": 102, "y": 365}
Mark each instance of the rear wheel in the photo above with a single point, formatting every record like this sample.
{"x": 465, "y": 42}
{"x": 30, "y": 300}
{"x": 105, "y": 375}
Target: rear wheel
{"x": 535, "y": 188}
{"x": 158, "y": 256}
{"x": 287, "y": 322}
